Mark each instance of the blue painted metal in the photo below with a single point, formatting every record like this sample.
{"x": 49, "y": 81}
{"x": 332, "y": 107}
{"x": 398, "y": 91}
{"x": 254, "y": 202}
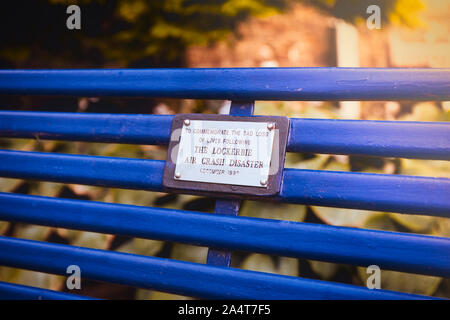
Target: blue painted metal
{"x": 11, "y": 291}
{"x": 423, "y": 140}
{"x": 389, "y": 250}
{"x": 236, "y": 84}
{"x": 230, "y": 207}
{"x": 380, "y": 192}
{"x": 118, "y": 128}
{"x": 98, "y": 171}
{"x": 396, "y": 251}
{"x": 219, "y": 257}
{"x": 390, "y": 193}
{"x": 178, "y": 277}
{"x": 242, "y": 108}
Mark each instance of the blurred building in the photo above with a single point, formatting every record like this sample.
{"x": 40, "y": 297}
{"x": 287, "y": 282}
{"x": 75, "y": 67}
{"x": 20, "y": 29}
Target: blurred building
{"x": 300, "y": 37}
{"x": 308, "y": 37}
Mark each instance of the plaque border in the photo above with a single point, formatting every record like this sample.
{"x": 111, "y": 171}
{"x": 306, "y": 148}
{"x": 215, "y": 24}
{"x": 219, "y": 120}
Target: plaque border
{"x": 217, "y": 189}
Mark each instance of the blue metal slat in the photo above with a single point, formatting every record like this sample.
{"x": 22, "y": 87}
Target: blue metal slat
{"x": 423, "y": 140}
{"x": 236, "y": 84}
{"x": 11, "y": 291}
{"x": 415, "y": 140}
{"x": 379, "y": 192}
{"x": 98, "y": 171}
{"x": 197, "y": 280}
{"x": 390, "y": 193}
{"x": 389, "y": 250}
{"x": 95, "y": 127}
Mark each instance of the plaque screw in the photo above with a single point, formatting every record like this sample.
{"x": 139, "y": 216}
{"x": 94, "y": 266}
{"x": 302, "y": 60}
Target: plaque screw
{"x": 177, "y": 175}
{"x": 187, "y": 122}
{"x": 263, "y": 182}
{"x": 270, "y": 126}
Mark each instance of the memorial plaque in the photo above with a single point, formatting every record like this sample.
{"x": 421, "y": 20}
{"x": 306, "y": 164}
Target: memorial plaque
{"x": 226, "y": 154}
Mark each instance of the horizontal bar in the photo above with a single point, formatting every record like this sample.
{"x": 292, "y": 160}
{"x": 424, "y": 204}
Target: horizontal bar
{"x": 389, "y": 250}
{"x": 11, "y": 291}
{"x": 98, "y": 171}
{"x": 403, "y": 139}
{"x": 100, "y": 127}
{"x": 391, "y": 193}
{"x": 423, "y": 140}
{"x": 368, "y": 191}
{"x": 235, "y": 84}
{"x": 179, "y": 277}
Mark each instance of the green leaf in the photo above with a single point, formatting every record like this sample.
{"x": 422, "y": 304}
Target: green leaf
{"x": 142, "y": 294}
{"x": 441, "y": 227}
{"x": 141, "y": 246}
{"x": 337, "y": 166}
{"x": 425, "y": 111}
{"x": 256, "y": 7}
{"x": 315, "y": 163}
{"x": 135, "y": 197}
{"x": 269, "y": 210}
{"x": 31, "y": 278}
{"x": 21, "y": 144}
{"x": 325, "y": 270}
{"x": 32, "y": 232}
{"x": 179, "y": 202}
{"x": 259, "y": 262}
{"x": 8, "y": 185}
{"x": 265, "y": 263}
{"x": 426, "y": 168}
{"x": 131, "y": 10}
{"x": 288, "y": 266}
{"x": 186, "y": 252}
{"x": 121, "y": 150}
{"x": 48, "y": 189}
{"x": 380, "y": 221}
{"x": 296, "y": 109}
{"x": 407, "y": 12}
{"x": 416, "y": 223}
{"x": 342, "y": 217}
{"x": 4, "y": 225}
{"x": 92, "y": 192}
{"x": 89, "y": 239}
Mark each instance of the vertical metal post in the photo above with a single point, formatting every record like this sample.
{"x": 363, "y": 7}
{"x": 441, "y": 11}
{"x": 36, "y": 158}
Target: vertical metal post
{"x": 226, "y": 206}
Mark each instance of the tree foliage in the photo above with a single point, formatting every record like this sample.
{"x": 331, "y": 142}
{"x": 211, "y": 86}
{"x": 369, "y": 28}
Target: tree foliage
{"x": 146, "y": 33}
{"x": 400, "y": 12}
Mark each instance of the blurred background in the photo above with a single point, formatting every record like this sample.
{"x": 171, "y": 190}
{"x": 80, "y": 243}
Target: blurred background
{"x": 225, "y": 33}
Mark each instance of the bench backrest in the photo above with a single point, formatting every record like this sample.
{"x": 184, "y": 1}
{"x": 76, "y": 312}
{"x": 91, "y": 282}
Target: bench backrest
{"x": 224, "y": 231}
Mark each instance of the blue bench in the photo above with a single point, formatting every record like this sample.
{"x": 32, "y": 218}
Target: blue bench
{"x": 224, "y": 231}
